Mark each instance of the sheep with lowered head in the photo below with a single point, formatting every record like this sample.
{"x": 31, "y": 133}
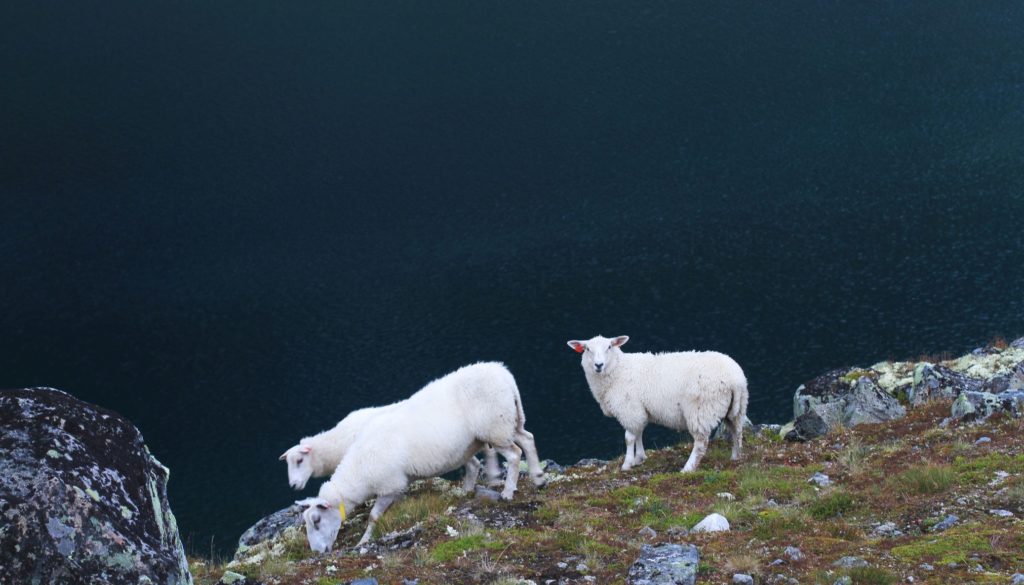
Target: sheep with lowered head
{"x": 435, "y": 431}
{"x": 320, "y": 454}
{"x": 686, "y": 391}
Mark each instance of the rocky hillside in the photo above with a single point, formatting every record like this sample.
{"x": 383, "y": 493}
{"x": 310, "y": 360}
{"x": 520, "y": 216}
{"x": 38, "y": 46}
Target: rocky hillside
{"x": 897, "y": 472}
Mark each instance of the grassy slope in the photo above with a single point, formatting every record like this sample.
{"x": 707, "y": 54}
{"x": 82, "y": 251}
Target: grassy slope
{"x": 909, "y": 472}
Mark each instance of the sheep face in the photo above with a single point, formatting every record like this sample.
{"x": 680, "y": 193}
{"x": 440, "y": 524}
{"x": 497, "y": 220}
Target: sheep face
{"x": 300, "y": 465}
{"x": 600, "y": 354}
{"x": 323, "y": 521}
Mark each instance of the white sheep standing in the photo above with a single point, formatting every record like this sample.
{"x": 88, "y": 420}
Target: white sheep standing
{"x": 435, "y": 431}
{"x": 320, "y": 454}
{"x": 686, "y": 391}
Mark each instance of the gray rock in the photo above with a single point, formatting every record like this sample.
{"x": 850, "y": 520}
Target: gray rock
{"x": 366, "y": 581}
{"x": 270, "y": 527}
{"x": 1017, "y": 344}
{"x": 677, "y": 531}
{"x": 793, "y": 553}
{"x": 550, "y": 466}
{"x": 81, "y": 497}
{"x": 591, "y": 463}
{"x": 712, "y": 523}
{"x": 410, "y": 582}
{"x": 1017, "y": 578}
{"x": 231, "y": 578}
{"x": 724, "y": 431}
{"x": 483, "y": 493}
{"x": 933, "y": 382}
{"x": 582, "y": 568}
{"x": 742, "y": 579}
{"x": 976, "y": 406}
{"x": 846, "y": 397}
{"x": 946, "y": 523}
{"x": 820, "y": 479}
{"x": 767, "y": 429}
{"x": 983, "y": 440}
{"x": 1001, "y": 513}
{"x": 777, "y": 563}
{"x": 927, "y": 567}
{"x": 648, "y": 533}
{"x": 888, "y": 530}
{"x": 844, "y": 580}
{"x": 850, "y": 562}
{"x": 665, "y": 564}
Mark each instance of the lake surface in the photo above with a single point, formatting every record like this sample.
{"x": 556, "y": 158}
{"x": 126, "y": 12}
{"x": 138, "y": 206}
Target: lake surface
{"x": 235, "y": 222}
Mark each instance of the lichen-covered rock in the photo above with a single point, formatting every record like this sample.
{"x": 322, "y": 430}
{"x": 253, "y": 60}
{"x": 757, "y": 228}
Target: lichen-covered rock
{"x": 841, "y": 398}
{"x": 973, "y": 406}
{"x": 934, "y": 382}
{"x": 665, "y": 564}
{"x": 271, "y": 526}
{"x": 82, "y": 500}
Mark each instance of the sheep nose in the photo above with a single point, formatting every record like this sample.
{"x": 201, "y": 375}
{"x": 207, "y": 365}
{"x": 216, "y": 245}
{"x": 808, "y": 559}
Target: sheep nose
{"x": 598, "y": 367}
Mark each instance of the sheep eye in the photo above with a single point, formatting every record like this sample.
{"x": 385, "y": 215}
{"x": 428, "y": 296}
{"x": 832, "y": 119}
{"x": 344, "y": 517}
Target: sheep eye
{"x": 299, "y": 461}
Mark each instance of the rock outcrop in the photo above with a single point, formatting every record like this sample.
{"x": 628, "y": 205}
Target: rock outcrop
{"x": 665, "y": 564}
{"x": 82, "y": 500}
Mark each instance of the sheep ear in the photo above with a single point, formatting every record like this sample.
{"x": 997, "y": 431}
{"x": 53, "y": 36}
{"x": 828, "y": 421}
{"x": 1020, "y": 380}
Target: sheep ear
{"x": 284, "y": 456}
{"x": 577, "y": 346}
{"x": 305, "y": 449}
{"x": 620, "y": 340}
{"x": 307, "y": 502}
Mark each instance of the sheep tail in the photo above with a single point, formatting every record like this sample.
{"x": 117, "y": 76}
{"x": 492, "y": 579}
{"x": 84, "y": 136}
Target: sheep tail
{"x": 738, "y": 404}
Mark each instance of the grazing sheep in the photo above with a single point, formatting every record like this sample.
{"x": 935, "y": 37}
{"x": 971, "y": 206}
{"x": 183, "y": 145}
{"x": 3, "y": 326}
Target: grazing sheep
{"x": 686, "y": 391}
{"x": 319, "y": 455}
{"x": 436, "y": 430}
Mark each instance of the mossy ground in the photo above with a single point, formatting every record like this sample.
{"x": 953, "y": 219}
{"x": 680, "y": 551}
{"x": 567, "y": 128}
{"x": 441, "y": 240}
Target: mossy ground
{"x": 910, "y": 472}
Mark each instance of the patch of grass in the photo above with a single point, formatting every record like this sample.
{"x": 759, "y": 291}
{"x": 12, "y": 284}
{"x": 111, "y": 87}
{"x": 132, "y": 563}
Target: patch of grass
{"x": 738, "y": 515}
{"x": 872, "y": 576}
{"x": 771, "y": 524}
{"x": 831, "y": 505}
{"x": 978, "y": 470}
{"x": 779, "y": 482}
{"x": 951, "y": 546}
{"x": 853, "y": 458}
{"x": 742, "y": 562}
{"x": 579, "y": 543}
{"x": 451, "y": 549}
{"x": 548, "y": 513}
{"x": 925, "y": 479}
{"x": 854, "y": 375}
{"x": 412, "y": 510}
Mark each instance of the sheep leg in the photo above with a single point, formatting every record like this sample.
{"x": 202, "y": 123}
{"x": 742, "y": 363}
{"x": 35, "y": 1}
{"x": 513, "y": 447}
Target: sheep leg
{"x": 524, "y": 439}
{"x": 630, "y": 459}
{"x": 511, "y": 453}
{"x": 382, "y": 504}
{"x": 472, "y": 472}
{"x": 737, "y": 436}
{"x": 700, "y": 447}
{"x": 491, "y": 468}
{"x": 640, "y": 455}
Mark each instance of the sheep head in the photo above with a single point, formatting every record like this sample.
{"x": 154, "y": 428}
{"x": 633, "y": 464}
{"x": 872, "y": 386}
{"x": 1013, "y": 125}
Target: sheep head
{"x": 323, "y": 521}
{"x": 600, "y": 354}
{"x": 300, "y": 465}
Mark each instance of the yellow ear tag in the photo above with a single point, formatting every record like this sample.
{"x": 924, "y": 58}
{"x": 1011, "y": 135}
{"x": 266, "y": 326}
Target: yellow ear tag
{"x": 341, "y": 508}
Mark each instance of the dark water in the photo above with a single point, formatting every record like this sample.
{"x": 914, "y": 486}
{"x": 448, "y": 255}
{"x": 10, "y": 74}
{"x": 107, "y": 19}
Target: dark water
{"x": 234, "y": 222}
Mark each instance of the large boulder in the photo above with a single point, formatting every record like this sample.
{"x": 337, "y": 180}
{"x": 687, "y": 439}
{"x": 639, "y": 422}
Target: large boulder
{"x": 937, "y": 382}
{"x": 841, "y": 398}
{"x": 82, "y": 500}
{"x": 973, "y": 406}
{"x": 665, "y": 564}
{"x": 271, "y": 537}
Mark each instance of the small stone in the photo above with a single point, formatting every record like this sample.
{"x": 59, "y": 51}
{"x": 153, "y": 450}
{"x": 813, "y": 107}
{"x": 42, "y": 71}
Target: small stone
{"x": 793, "y": 553}
{"x": 771, "y": 503}
{"x": 910, "y": 579}
{"x": 976, "y": 569}
{"x": 946, "y": 523}
{"x": 677, "y": 531}
{"x": 365, "y": 581}
{"x": 483, "y": 493}
{"x": 665, "y": 563}
{"x": 983, "y": 440}
{"x": 712, "y": 523}
{"x": 850, "y": 562}
{"x": 776, "y": 563}
{"x": 590, "y": 579}
{"x": 591, "y": 463}
{"x": 410, "y": 582}
{"x": 820, "y": 479}
{"x": 725, "y": 496}
{"x": 1017, "y": 579}
{"x": 232, "y": 578}
{"x": 563, "y": 565}
{"x": 927, "y": 567}
{"x": 1001, "y": 513}
{"x": 742, "y": 579}
{"x": 844, "y": 580}
{"x": 648, "y": 533}
{"x": 582, "y": 568}
{"x": 888, "y": 530}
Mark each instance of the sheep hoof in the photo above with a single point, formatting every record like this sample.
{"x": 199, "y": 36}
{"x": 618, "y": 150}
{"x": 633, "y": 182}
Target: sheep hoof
{"x": 626, "y": 467}
{"x": 507, "y": 496}
{"x": 686, "y": 469}
{"x": 540, "y": 481}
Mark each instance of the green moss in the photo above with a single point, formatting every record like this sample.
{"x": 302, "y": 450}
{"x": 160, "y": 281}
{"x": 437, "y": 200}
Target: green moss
{"x": 872, "y": 576}
{"x": 951, "y": 546}
{"x": 831, "y": 505}
{"x": 978, "y": 470}
{"x": 546, "y": 514}
{"x": 853, "y": 375}
{"x": 781, "y": 483}
{"x": 579, "y": 543}
{"x": 451, "y": 549}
